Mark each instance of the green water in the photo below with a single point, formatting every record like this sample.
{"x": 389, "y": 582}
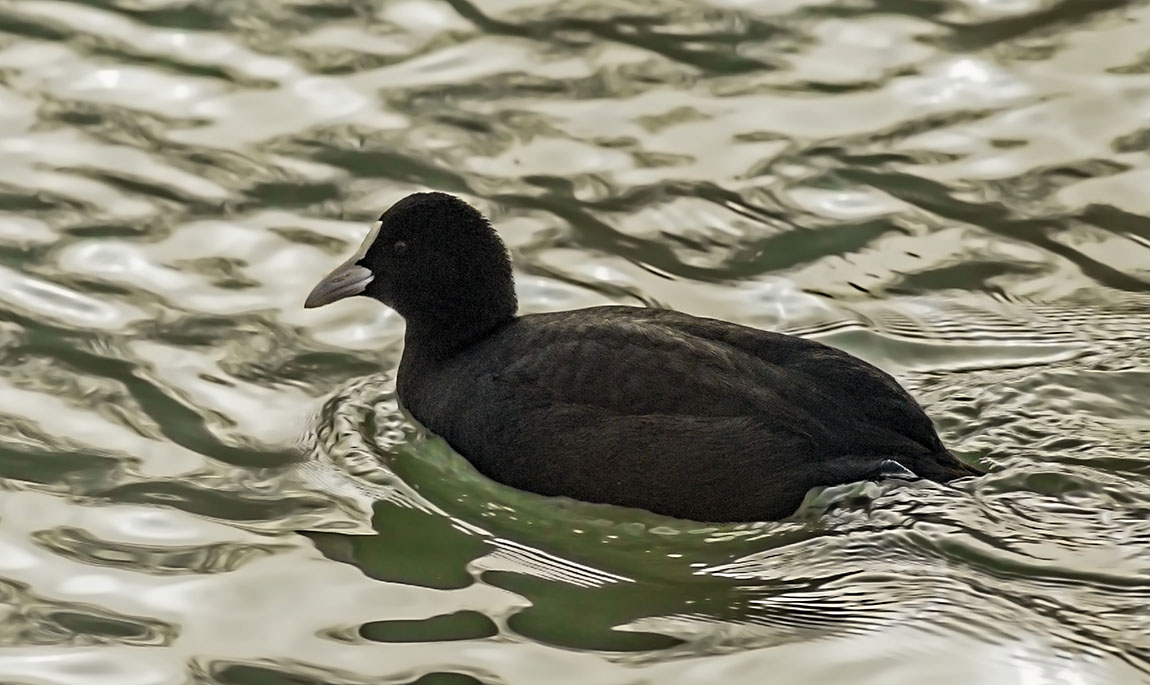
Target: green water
{"x": 200, "y": 482}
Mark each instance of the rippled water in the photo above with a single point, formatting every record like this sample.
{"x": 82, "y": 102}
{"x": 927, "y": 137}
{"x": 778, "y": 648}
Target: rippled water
{"x": 203, "y": 483}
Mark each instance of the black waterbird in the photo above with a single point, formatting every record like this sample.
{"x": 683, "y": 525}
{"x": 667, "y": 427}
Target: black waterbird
{"x": 685, "y": 416}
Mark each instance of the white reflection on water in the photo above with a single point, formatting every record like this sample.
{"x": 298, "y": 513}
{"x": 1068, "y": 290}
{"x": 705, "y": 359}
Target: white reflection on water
{"x": 928, "y": 191}
{"x": 56, "y": 302}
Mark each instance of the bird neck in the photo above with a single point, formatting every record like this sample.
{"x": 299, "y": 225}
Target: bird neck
{"x": 438, "y": 332}
{"x": 429, "y": 344}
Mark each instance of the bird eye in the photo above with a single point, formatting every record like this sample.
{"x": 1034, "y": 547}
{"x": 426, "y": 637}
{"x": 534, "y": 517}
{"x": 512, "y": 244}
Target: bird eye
{"x": 400, "y": 247}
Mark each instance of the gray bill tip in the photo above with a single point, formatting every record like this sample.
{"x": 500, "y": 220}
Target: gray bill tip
{"x": 345, "y": 280}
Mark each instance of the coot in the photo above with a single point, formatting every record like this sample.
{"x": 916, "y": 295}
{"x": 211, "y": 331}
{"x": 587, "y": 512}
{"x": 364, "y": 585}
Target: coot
{"x": 689, "y": 417}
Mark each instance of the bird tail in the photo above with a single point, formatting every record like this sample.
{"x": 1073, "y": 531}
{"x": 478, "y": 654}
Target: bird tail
{"x": 942, "y": 467}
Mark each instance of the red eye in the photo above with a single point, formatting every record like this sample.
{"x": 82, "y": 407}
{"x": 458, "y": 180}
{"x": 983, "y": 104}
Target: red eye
{"x": 400, "y": 247}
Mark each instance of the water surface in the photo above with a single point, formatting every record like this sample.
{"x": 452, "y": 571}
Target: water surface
{"x": 204, "y": 483}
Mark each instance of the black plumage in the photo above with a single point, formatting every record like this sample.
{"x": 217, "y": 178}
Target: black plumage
{"x": 685, "y": 416}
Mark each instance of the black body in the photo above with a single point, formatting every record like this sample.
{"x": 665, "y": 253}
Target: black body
{"x": 690, "y": 417}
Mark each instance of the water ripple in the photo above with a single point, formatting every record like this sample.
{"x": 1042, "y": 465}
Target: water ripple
{"x": 953, "y": 190}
